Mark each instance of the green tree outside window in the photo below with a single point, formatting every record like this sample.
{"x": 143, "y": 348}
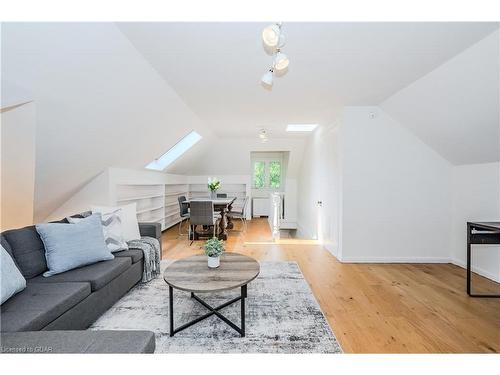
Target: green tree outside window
{"x": 274, "y": 174}
{"x": 259, "y": 174}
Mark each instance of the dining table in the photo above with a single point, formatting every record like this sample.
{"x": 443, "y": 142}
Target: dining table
{"x": 221, "y": 205}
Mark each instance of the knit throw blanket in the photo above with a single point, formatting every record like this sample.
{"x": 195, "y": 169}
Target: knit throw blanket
{"x": 151, "y": 249}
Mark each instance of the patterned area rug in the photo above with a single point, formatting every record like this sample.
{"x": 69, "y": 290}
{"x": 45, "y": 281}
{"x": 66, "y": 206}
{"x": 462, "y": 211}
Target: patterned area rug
{"x": 282, "y": 316}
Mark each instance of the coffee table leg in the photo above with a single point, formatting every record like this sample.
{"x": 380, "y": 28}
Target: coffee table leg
{"x": 171, "y": 306}
{"x": 243, "y": 297}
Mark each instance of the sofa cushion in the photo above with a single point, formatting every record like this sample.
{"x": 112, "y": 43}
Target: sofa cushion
{"x": 128, "y": 216}
{"x": 11, "y": 280}
{"x": 78, "y": 342}
{"x": 28, "y": 250}
{"x": 134, "y": 254}
{"x": 6, "y": 246}
{"x": 111, "y": 229}
{"x": 97, "y": 274}
{"x": 39, "y": 304}
{"x": 68, "y": 246}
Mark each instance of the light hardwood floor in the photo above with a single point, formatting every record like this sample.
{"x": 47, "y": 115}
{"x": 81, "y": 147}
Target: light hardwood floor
{"x": 376, "y": 308}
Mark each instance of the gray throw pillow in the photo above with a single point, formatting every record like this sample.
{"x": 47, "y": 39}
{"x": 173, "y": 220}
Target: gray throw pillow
{"x": 11, "y": 279}
{"x": 111, "y": 228}
{"x": 74, "y": 245}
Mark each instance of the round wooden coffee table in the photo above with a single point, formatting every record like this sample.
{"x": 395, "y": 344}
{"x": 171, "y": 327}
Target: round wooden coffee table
{"x": 193, "y": 275}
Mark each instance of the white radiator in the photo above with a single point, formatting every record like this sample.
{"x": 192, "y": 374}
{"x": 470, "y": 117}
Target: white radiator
{"x": 260, "y": 206}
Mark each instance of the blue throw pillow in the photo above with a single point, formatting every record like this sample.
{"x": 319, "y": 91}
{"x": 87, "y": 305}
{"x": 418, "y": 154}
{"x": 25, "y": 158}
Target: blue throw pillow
{"x": 69, "y": 246}
{"x": 12, "y": 281}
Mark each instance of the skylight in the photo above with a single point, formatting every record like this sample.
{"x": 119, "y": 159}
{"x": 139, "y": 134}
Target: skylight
{"x": 176, "y": 151}
{"x": 301, "y": 127}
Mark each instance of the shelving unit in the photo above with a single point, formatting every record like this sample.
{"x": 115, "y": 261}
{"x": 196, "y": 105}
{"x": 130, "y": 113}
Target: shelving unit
{"x": 150, "y": 200}
{"x": 159, "y": 202}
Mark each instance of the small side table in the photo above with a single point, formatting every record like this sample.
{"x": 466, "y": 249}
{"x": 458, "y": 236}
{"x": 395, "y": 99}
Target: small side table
{"x": 193, "y": 275}
{"x": 484, "y": 233}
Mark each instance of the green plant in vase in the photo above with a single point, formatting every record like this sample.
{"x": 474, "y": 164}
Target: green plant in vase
{"x": 214, "y": 185}
{"x": 214, "y": 249}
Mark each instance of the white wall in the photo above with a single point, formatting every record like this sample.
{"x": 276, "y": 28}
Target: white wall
{"x": 396, "y": 192}
{"x": 476, "y": 197}
{"x": 389, "y": 192}
{"x": 17, "y": 173}
{"x": 99, "y": 104}
{"x": 319, "y": 180}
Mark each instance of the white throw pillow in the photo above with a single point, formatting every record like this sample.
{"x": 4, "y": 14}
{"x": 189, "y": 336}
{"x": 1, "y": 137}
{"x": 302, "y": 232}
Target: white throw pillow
{"x": 10, "y": 277}
{"x": 130, "y": 226}
{"x": 111, "y": 228}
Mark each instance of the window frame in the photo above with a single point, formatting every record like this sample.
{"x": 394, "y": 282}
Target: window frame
{"x": 175, "y": 152}
{"x": 267, "y": 175}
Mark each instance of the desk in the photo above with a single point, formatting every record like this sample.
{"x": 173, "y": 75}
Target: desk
{"x": 223, "y": 206}
{"x": 484, "y": 233}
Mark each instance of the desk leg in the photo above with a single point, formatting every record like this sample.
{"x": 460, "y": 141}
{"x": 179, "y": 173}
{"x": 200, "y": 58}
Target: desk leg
{"x": 468, "y": 259}
{"x": 223, "y": 225}
{"x": 230, "y": 224}
{"x": 171, "y": 306}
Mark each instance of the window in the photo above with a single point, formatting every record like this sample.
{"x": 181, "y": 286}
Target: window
{"x": 274, "y": 174}
{"x": 267, "y": 174}
{"x": 176, "y": 151}
{"x": 259, "y": 174}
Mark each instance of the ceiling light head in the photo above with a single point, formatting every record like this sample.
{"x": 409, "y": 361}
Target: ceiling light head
{"x": 281, "y": 61}
{"x": 267, "y": 79}
{"x": 263, "y": 135}
{"x": 271, "y": 35}
{"x": 301, "y": 127}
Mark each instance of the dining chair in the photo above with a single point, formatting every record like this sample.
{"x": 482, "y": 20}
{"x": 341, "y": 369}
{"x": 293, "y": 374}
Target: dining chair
{"x": 221, "y": 195}
{"x": 202, "y": 213}
{"x": 242, "y": 214}
{"x": 183, "y": 212}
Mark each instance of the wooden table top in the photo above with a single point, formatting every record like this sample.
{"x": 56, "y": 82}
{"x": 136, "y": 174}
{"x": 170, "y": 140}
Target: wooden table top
{"x": 193, "y": 275}
{"x": 217, "y": 201}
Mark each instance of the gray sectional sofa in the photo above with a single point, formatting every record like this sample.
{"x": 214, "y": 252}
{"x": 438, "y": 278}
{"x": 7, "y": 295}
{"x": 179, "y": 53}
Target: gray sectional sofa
{"x": 69, "y": 301}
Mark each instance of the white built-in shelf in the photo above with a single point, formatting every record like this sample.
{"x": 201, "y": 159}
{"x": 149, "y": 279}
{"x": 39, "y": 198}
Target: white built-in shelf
{"x": 139, "y": 198}
{"x": 149, "y": 209}
{"x": 159, "y": 202}
{"x": 169, "y": 194}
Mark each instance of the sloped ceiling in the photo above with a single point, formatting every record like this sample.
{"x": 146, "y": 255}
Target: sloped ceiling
{"x": 109, "y": 95}
{"x": 455, "y": 108}
{"x": 216, "y": 67}
{"x": 98, "y": 103}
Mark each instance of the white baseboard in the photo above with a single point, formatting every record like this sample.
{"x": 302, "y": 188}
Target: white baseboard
{"x": 302, "y": 232}
{"x": 332, "y": 248}
{"x": 394, "y": 260}
{"x": 478, "y": 270}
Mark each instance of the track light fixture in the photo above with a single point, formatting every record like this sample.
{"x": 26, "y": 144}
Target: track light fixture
{"x": 274, "y": 39}
{"x": 263, "y": 135}
{"x": 272, "y": 36}
{"x": 267, "y": 78}
{"x": 281, "y": 61}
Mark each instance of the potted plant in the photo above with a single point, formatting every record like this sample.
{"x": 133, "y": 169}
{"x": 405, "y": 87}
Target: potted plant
{"x": 214, "y": 248}
{"x": 213, "y": 185}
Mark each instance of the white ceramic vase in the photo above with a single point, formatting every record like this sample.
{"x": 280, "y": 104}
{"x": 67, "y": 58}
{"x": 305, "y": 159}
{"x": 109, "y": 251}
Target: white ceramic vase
{"x": 213, "y": 262}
